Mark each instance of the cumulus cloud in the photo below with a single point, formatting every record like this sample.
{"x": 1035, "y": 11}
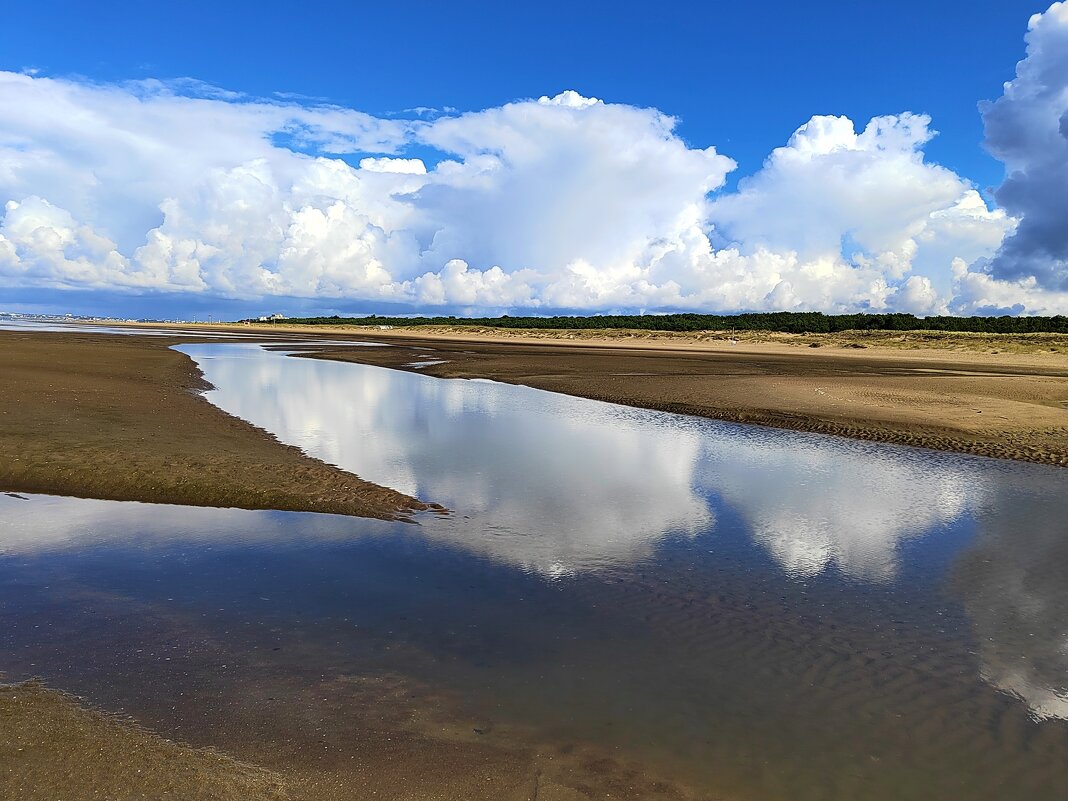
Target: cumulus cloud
{"x": 854, "y": 212}
{"x": 403, "y": 166}
{"x": 567, "y": 191}
{"x": 243, "y": 198}
{"x": 558, "y": 202}
{"x": 1027, "y": 128}
{"x": 64, "y": 249}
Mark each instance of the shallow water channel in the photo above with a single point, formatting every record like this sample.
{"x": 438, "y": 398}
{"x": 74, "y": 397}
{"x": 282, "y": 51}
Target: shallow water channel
{"x": 757, "y": 613}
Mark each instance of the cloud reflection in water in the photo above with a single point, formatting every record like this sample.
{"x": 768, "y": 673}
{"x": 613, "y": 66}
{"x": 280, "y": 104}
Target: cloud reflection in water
{"x": 561, "y": 484}
{"x": 1014, "y": 585}
{"x": 558, "y": 485}
{"x": 537, "y": 480}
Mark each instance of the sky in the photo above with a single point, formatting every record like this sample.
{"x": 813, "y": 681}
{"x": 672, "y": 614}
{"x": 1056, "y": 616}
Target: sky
{"x": 180, "y": 160}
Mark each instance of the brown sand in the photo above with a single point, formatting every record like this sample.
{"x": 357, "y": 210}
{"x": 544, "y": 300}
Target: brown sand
{"x": 53, "y": 749}
{"x": 1005, "y": 397}
{"x": 119, "y": 418}
{"x": 337, "y": 740}
{"x": 317, "y": 731}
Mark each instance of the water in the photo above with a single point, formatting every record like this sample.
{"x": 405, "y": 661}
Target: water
{"x": 761, "y": 614}
{"x": 8, "y": 324}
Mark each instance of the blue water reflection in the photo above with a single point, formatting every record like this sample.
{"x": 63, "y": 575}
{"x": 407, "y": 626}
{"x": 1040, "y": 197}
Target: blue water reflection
{"x": 556, "y": 483}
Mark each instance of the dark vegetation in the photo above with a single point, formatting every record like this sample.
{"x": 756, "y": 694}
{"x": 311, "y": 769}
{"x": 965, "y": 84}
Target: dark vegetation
{"x": 785, "y": 322}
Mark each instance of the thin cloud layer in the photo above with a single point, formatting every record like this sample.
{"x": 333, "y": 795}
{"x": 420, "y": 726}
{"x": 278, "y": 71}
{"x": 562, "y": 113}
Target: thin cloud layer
{"x": 563, "y": 202}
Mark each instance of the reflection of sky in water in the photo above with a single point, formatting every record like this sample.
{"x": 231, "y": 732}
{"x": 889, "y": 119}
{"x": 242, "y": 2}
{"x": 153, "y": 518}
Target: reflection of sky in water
{"x": 814, "y": 502}
{"x": 559, "y": 484}
{"x": 1014, "y": 584}
{"x": 770, "y": 608}
{"x": 535, "y": 479}
{"x": 568, "y": 484}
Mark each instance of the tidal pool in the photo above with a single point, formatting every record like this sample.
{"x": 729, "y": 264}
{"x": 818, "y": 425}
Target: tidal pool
{"x": 759, "y": 614}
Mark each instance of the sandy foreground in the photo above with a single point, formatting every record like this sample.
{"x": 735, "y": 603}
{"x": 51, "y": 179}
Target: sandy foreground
{"x": 339, "y": 739}
{"x": 54, "y": 748}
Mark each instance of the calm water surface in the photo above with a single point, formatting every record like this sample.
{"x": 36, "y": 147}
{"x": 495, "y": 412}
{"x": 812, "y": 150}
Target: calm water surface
{"x": 762, "y": 614}
{"x": 8, "y": 324}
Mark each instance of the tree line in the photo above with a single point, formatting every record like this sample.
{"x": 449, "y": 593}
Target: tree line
{"x": 784, "y": 322}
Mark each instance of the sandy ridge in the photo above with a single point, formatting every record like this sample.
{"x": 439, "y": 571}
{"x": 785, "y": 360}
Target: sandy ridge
{"x": 121, "y": 418}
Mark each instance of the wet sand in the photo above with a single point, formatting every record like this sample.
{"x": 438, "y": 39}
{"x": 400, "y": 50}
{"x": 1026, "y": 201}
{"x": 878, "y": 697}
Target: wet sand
{"x": 87, "y": 401}
{"x": 120, "y": 418}
{"x": 52, "y": 748}
{"x": 1000, "y": 397}
{"x": 337, "y": 739}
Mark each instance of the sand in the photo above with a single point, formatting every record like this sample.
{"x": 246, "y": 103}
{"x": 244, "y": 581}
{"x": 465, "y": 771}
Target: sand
{"x": 120, "y": 418}
{"x": 340, "y": 739}
{"x": 947, "y": 392}
{"x": 54, "y": 749}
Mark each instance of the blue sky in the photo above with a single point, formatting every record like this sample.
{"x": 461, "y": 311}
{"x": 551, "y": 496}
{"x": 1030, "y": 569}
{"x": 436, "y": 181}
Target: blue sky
{"x": 739, "y": 77}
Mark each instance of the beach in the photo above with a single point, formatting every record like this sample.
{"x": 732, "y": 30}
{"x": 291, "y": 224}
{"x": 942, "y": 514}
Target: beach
{"x": 72, "y": 404}
{"x": 255, "y": 655}
{"x": 1004, "y": 397}
{"x": 120, "y": 418}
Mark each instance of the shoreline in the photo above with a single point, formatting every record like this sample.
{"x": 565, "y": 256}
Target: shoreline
{"x": 289, "y": 734}
{"x": 72, "y": 404}
{"x": 1000, "y": 405}
{"x": 404, "y": 742}
{"x": 57, "y": 746}
{"x": 958, "y": 342}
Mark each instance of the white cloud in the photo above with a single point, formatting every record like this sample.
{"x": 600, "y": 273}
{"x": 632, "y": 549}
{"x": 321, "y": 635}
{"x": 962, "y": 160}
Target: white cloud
{"x": 858, "y": 211}
{"x": 559, "y": 202}
{"x": 830, "y": 182}
{"x": 554, "y": 184}
{"x": 109, "y": 154}
{"x": 63, "y": 248}
{"x": 402, "y": 166}
{"x": 569, "y": 98}
{"x": 978, "y": 292}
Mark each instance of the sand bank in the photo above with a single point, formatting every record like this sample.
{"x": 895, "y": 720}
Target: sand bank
{"x": 120, "y": 418}
{"x": 1005, "y": 397}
